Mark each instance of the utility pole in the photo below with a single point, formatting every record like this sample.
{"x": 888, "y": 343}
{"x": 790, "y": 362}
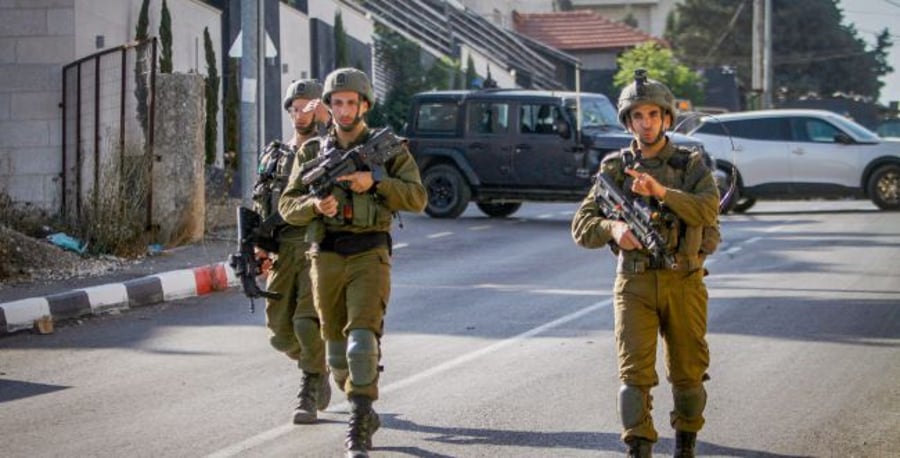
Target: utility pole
{"x": 762, "y": 53}
{"x": 252, "y": 103}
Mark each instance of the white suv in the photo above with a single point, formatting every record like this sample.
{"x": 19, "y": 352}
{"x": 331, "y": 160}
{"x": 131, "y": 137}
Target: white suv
{"x": 782, "y": 154}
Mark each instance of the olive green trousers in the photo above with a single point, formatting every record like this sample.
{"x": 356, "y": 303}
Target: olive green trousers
{"x": 673, "y": 304}
{"x": 292, "y": 320}
{"x": 352, "y": 292}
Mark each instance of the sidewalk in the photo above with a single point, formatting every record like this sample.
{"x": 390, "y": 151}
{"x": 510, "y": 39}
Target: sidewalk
{"x": 181, "y": 272}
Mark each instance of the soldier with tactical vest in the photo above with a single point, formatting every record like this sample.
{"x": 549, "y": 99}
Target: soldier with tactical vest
{"x": 292, "y": 319}
{"x": 651, "y": 297}
{"x": 351, "y": 253}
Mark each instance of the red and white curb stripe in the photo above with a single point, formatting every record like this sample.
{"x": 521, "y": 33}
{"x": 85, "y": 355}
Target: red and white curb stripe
{"x": 95, "y": 300}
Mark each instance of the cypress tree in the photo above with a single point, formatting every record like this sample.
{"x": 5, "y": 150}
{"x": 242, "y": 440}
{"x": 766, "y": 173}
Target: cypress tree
{"x": 341, "y": 54}
{"x": 212, "y": 98}
{"x": 165, "y": 38}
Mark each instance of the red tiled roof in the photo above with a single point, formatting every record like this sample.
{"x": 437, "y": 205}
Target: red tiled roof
{"x": 579, "y": 30}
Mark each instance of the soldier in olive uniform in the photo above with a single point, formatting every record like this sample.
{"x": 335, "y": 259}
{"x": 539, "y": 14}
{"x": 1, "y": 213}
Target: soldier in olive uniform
{"x": 292, "y": 320}
{"x": 351, "y": 262}
{"x": 651, "y": 297}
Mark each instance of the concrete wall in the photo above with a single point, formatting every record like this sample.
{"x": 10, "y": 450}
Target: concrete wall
{"x": 295, "y": 55}
{"x": 37, "y": 38}
{"x": 178, "y": 176}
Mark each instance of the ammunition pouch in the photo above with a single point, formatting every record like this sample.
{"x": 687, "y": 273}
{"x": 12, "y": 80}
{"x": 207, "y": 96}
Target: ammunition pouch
{"x": 350, "y": 243}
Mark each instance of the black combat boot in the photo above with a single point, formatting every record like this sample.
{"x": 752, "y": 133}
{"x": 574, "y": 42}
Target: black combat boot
{"x": 639, "y": 447}
{"x": 305, "y": 412}
{"x": 684, "y": 444}
{"x": 362, "y": 425}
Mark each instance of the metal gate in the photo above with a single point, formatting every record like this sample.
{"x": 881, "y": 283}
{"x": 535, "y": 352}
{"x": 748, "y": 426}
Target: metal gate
{"x": 108, "y": 114}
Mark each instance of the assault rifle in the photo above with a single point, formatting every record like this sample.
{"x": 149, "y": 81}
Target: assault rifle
{"x": 253, "y": 231}
{"x": 636, "y": 215}
{"x": 322, "y": 173}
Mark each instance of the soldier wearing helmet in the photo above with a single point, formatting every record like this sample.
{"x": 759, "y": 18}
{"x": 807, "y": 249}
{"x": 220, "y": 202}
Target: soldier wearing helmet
{"x": 650, "y": 298}
{"x": 352, "y": 242}
{"x": 292, "y": 320}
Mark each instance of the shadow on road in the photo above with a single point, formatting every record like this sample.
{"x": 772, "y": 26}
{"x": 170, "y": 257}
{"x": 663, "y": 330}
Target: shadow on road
{"x": 544, "y": 443}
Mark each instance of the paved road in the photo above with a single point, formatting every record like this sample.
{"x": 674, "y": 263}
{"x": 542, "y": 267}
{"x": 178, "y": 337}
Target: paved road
{"x": 499, "y": 343}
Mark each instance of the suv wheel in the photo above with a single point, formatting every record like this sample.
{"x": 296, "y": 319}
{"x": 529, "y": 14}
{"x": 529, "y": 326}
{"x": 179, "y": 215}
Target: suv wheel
{"x": 448, "y": 192}
{"x": 884, "y": 187}
{"x": 499, "y": 210}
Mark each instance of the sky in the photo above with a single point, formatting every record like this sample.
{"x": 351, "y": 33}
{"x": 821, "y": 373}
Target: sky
{"x": 871, "y": 17}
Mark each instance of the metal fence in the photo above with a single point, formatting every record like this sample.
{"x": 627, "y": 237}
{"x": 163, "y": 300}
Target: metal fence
{"x": 108, "y": 112}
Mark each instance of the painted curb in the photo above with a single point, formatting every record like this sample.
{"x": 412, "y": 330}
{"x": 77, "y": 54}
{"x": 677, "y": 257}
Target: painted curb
{"x": 96, "y": 300}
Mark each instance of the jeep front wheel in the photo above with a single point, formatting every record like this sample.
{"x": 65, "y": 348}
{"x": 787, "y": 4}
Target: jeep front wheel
{"x": 499, "y": 210}
{"x": 448, "y": 192}
{"x": 884, "y": 187}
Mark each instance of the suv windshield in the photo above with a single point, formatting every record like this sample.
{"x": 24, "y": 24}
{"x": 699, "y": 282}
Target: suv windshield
{"x": 595, "y": 112}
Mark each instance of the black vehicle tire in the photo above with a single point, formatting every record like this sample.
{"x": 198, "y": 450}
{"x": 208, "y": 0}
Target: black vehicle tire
{"x": 448, "y": 192}
{"x": 724, "y": 180}
{"x": 743, "y": 205}
{"x": 884, "y": 187}
{"x": 499, "y": 210}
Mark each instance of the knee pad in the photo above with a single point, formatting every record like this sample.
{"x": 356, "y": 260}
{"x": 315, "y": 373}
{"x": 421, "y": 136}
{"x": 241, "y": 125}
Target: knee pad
{"x": 632, "y": 405}
{"x": 336, "y": 354}
{"x": 284, "y": 345}
{"x": 307, "y": 332}
{"x": 689, "y": 402}
{"x": 362, "y": 356}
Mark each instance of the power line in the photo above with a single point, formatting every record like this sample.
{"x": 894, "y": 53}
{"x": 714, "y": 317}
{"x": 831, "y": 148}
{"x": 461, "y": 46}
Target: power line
{"x": 892, "y": 2}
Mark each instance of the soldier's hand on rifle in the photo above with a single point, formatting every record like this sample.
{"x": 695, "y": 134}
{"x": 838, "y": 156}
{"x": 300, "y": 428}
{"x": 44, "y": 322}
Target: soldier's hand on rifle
{"x": 624, "y": 237}
{"x": 326, "y": 206}
{"x": 360, "y": 182}
{"x": 644, "y": 184}
{"x": 265, "y": 262}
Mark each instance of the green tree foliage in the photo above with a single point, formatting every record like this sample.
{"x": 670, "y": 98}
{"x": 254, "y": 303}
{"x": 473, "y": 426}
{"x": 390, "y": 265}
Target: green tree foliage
{"x": 403, "y": 60}
{"x": 471, "y": 74}
{"x": 165, "y": 38}
{"x": 812, "y": 51}
{"x": 140, "y": 32}
{"x": 341, "y": 51}
{"x": 661, "y": 65}
{"x": 141, "y": 90}
{"x": 231, "y": 113}
{"x": 212, "y": 98}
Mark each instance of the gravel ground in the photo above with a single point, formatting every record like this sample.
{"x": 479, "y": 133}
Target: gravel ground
{"x": 23, "y": 258}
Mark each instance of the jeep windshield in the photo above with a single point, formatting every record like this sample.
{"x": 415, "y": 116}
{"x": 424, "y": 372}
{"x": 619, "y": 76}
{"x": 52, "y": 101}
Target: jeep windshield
{"x": 595, "y": 112}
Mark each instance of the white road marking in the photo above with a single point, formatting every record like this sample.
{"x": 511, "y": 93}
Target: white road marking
{"x": 274, "y": 433}
{"x": 439, "y": 235}
{"x": 480, "y": 228}
{"x": 400, "y": 245}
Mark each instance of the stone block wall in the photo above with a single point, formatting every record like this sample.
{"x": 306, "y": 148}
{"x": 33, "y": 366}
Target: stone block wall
{"x": 36, "y": 40}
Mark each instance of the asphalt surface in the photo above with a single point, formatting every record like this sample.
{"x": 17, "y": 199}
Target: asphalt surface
{"x": 498, "y": 343}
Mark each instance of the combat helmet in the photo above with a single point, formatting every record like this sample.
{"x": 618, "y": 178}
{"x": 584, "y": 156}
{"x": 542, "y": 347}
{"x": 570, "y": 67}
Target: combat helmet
{"x": 644, "y": 90}
{"x": 302, "y": 89}
{"x": 348, "y": 79}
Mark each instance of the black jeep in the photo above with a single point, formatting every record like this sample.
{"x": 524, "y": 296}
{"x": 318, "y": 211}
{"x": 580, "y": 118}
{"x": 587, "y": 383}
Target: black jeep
{"x": 500, "y": 147}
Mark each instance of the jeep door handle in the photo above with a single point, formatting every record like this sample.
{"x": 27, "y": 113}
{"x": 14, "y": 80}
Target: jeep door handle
{"x": 476, "y": 145}
{"x": 798, "y": 151}
{"x": 522, "y": 148}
